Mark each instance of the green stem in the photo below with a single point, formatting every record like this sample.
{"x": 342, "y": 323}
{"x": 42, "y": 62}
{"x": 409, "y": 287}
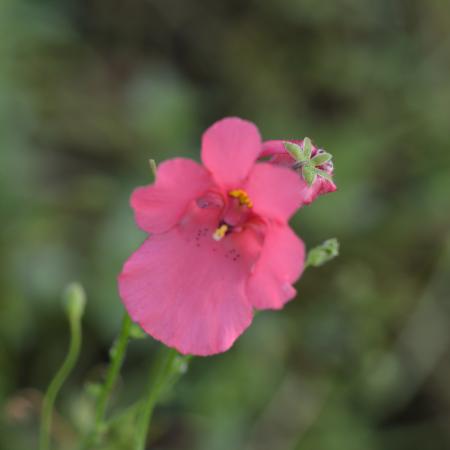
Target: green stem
{"x": 117, "y": 355}
{"x": 161, "y": 377}
{"x": 58, "y": 381}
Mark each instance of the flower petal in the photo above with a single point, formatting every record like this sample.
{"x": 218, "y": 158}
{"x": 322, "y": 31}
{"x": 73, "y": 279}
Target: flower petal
{"x": 274, "y": 191}
{"x": 159, "y": 206}
{"x": 229, "y": 149}
{"x": 320, "y": 186}
{"x": 276, "y": 146}
{"x": 281, "y": 263}
{"x": 189, "y": 291}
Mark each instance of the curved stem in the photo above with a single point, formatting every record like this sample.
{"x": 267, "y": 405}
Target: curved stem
{"x": 58, "y": 381}
{"x": 117, "y": 355}
{"x": 161, "y": 377}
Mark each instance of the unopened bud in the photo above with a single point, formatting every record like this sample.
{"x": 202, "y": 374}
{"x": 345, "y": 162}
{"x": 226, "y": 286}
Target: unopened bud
{"x": 323, "y": 253}
{"x": 74, "y": 300}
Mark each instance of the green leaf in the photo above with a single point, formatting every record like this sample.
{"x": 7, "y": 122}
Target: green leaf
{"x": 324, "y": 174}
{"x": 309, "y": 174}
{"x": 323, "y": 253}
{"x": 321, "y": 158}
{"x": 295, "y": 151}
{"x": 307, "y": 147}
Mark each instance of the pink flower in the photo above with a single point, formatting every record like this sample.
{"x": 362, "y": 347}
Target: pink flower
{"x": 279, "y": 156}
{"x": 220, "y": 243}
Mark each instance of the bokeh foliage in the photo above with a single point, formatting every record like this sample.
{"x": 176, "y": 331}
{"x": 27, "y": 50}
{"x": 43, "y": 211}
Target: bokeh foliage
{"x": 90, "y": 89}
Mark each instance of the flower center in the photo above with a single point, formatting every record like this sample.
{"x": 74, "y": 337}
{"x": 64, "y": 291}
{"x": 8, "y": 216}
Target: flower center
{"x": 242, "y": 196}
{"x": 235, "y": 214}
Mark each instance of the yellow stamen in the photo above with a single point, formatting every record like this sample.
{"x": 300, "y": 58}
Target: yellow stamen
{"x": 220, "y": 232}
{"x": 242, "y": 196}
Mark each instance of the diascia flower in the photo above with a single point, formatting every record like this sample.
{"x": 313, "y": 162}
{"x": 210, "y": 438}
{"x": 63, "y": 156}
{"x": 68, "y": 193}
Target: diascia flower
{"x": 220, "y": 245}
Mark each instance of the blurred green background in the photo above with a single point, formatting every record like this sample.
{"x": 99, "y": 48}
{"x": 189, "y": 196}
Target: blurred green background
{"x": 90, "y": 89}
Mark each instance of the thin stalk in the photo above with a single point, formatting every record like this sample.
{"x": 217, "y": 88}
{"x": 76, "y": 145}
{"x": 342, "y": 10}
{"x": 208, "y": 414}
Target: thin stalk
{"x": 160, "y": 378}
{"x": 58, "y": 381}
{"x": 117, "y": 355}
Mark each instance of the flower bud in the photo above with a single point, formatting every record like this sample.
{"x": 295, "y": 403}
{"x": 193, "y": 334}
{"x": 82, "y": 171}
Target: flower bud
{"x": 74, "y": 300}
{"x": 323, "y": 253}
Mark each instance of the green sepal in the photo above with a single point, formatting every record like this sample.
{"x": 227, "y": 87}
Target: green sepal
{"x": 323, "y": 253}
{"x": 324, "y": 174}
{"x": 307, "y": 147}
{"x": 321, "y": 158}
{"x": 295, "y": 151}
{"x": 309, "y": 174}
